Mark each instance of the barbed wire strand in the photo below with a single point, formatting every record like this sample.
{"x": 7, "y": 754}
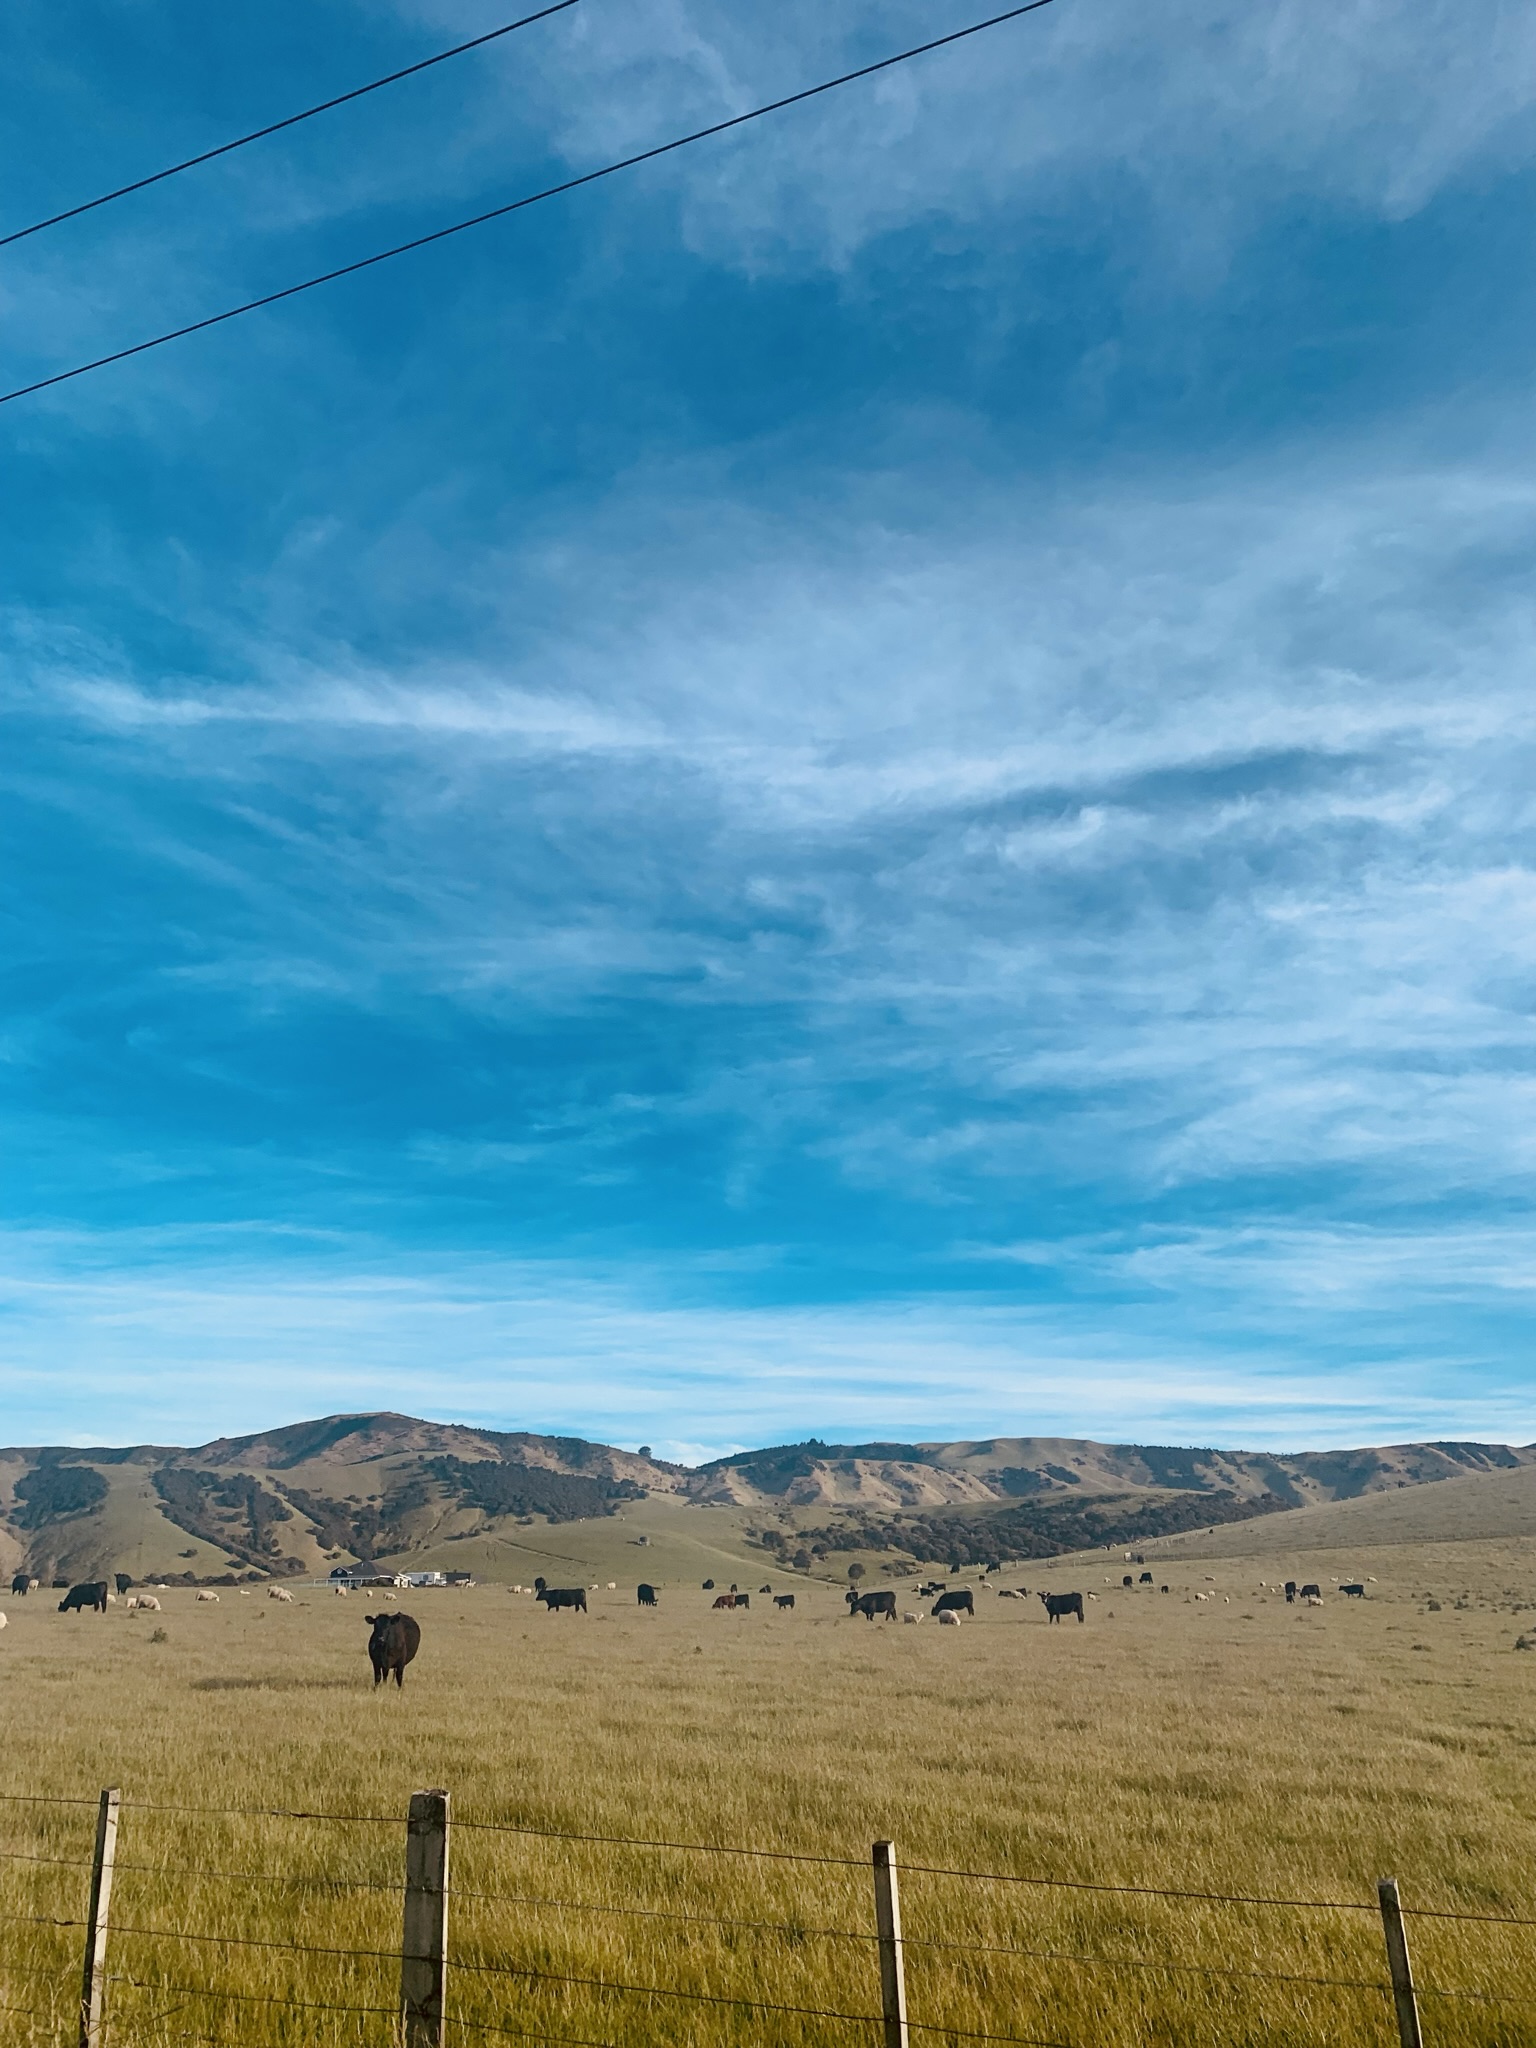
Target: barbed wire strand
{"x": 495, "y": 1827}
{"x": 1217, "y": 1898}
{"x": 1473, "y": 1919}
{"x": 1141, "y": 1891}
{"x": 388, "y": 2012}
{"x": 1483, "y": 1997}
{"x": 383, "y": 1820}
{"x": 292, "y": 1948}
{"x": 1047, "y": 1955}
{"x": 45, "y": 1799}
{"x": 971, "y": 2034}
{"x": 526, "y": 2033}
{"x": 294, "y": 1877}
{"x": 814, "y": 2012}
{"x": 665, "y": 1913}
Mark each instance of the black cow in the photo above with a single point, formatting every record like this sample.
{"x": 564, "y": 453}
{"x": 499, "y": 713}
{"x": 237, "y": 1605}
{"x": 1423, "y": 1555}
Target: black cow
{"x": 927, "y": 1592}
{"x": 784, "y": 1600}
{"x": 1146, "y": 1579}
{"x": 1058, "y": 1604}
{"x": 765, "y": 1589}
{"x": 963, "y": 1602}
{"x": 555, "y": 1597}
{"x": 1290, "y": 1591}
{"x": 123, "y": 1582}
{"x": 21, "y": 1585}
{"x": 395, "y": 1640}
{"x": 92, "y": 1594}
{"x": 709, "y": 1585}
{"x": 1354, "y": 1592}
{"x": 646, "y": 1595}
{"x": 1127, "y": 1580}
{"x": 871, "y": 1604}
{"x": 1311, "y": 1592}
{"x": 1162, "y": 1589}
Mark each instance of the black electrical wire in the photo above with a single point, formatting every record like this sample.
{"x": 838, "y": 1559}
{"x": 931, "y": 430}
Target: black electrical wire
{"x": 626, "y": 163}
{"x": 275, "y": 127}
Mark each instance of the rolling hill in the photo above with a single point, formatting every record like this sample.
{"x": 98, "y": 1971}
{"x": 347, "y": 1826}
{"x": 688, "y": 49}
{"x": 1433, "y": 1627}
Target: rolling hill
{"x": 296, "y": 1501}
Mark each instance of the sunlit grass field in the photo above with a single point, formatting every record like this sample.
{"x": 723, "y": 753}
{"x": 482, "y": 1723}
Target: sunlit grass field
{"x": 1234, "y": 1745}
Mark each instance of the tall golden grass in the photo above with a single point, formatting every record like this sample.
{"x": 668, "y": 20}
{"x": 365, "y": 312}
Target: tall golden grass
{"x": 1247, "y": 1749}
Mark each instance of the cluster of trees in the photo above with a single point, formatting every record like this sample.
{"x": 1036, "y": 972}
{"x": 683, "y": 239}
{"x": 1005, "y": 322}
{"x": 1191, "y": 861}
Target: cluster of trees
{"x": 364, "y": 1527}
{"x": 1039, "y": 1529}
{"x": 790, "y": 1549}
{"x": 229, "y": 1509}
{"x": 51, "y": 1490}
{"x": 529, "y": 1489}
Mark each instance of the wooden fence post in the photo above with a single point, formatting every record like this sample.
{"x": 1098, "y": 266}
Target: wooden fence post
{"x": 1403, "y": 1995}
{"x": 93, "y": 1981}
{"x": 424, "y": 1944}
{"x": 893, "y": 1979}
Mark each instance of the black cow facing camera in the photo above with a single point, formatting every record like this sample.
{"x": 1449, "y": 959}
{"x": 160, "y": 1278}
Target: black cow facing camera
{"x": 395, "y": 1640}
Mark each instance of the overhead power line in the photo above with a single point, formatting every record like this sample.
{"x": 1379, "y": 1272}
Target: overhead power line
{"x": 290, "y": 121}
{"x": 476, "y": 220}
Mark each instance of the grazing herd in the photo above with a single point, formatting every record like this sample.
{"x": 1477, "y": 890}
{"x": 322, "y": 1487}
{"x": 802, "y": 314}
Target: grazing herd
{"x": 395, "y": 1638}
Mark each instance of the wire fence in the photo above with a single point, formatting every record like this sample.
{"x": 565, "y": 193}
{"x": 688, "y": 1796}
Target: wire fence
{"x": 146, "y": 1947}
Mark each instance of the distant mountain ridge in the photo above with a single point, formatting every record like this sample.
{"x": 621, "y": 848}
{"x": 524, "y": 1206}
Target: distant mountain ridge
{"x": 299, "y": 1498}
{"x": 1003, "y": 1468}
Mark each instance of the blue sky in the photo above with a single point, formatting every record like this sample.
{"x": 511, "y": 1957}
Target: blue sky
{"x": 876, "y": 780}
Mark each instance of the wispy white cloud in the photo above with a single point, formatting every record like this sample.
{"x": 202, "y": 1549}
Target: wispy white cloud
{"x": 210, "y": 1346}
{"x": 1203, "y": 816}
{"x": 1374, "y": 105}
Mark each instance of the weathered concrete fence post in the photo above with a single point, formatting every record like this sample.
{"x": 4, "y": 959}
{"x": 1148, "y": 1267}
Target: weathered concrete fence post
{"x": 893, "y": 1979}
{"x": 424, "y": 1943}
{"x": 1403, "y": 1995}
{"x": 93, "y": 1981}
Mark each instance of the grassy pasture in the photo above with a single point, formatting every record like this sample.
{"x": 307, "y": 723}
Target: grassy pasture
{"x": 1231, "y": 1745}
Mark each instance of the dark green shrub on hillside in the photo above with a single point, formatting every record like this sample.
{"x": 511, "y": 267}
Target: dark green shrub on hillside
{"x": 50, "y": 1491}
